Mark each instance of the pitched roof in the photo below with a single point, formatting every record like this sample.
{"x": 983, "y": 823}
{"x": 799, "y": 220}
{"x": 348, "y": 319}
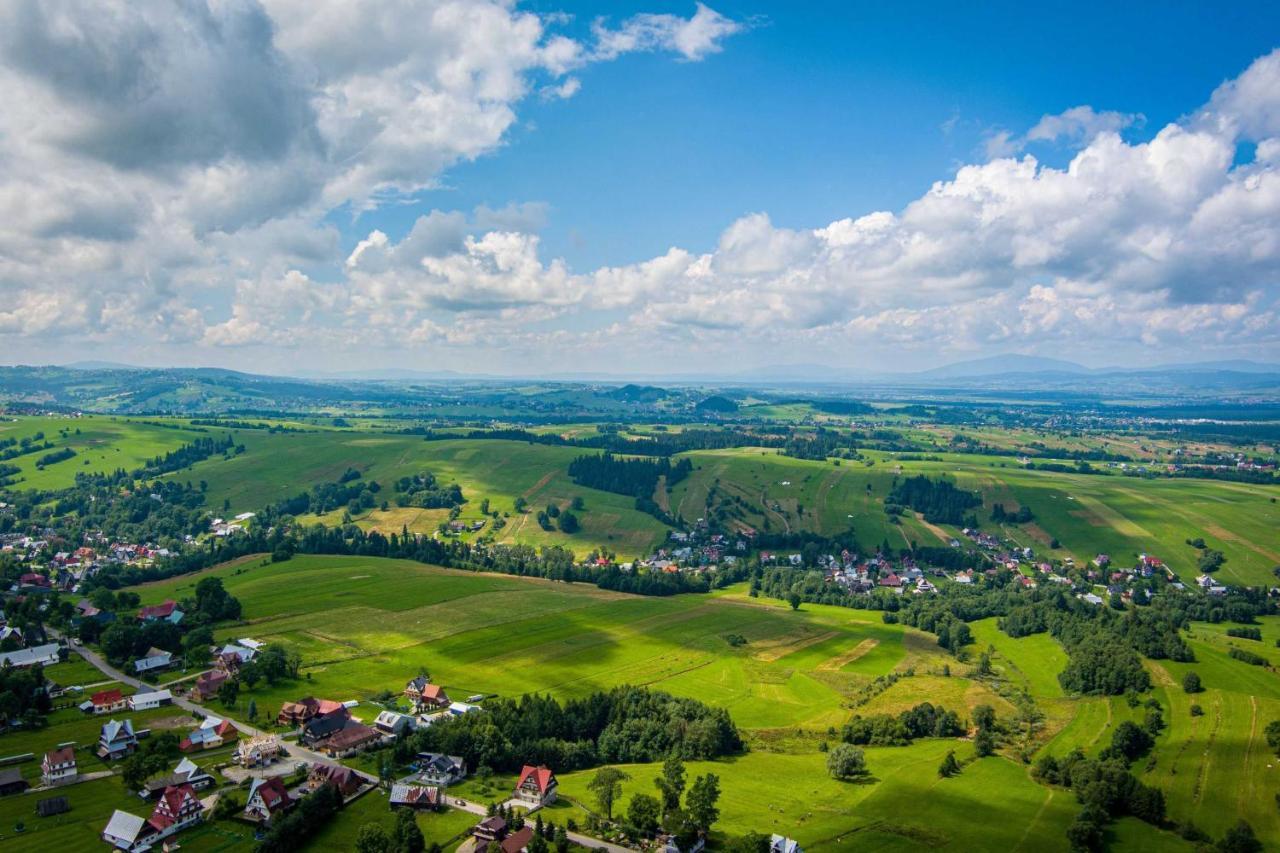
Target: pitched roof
{"x": 61, "y": 755}
{"x": 106, "y": 697}
{"x": 354, "y": 734}
{"x": 273, "y": 792}
{"x": 112, "y": 730}
{"x": 414, "y": 795}
{"x": 158, "y": 611}
{"x": 124, "y": 826}
{"x": 541, "y": 776}
{"x": 518, "y": 840}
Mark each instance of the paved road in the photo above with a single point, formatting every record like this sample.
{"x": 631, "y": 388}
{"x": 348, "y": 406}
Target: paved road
{"x": 196, "y": 709}
{"x": 295, "y": 749}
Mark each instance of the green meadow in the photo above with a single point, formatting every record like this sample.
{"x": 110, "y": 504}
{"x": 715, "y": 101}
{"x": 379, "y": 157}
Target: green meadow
{"x": 102, "y": 444}
{"x": 1087, "y": 514}
{"x": 281, "y": 465}
{"x": 367, "y": 625}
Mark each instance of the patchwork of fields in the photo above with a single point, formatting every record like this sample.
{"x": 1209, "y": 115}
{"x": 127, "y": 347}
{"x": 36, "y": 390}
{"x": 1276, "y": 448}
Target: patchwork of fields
{"x": 367, "y": 625}
{"x": 1087, "y": 514}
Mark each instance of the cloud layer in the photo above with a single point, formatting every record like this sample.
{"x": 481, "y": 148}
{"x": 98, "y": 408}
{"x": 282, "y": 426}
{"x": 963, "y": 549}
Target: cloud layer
{"x": 167, "y": 173}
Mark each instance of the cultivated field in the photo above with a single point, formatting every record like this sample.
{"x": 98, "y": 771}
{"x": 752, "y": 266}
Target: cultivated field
{"x": 368, "y": 625}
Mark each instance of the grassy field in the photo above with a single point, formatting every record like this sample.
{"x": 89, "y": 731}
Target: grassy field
{"x": 368, "y": 625}
{"x": 281, "y": 465}
{"x": 1087, "y": 514}
{"x": 101, "y": 443}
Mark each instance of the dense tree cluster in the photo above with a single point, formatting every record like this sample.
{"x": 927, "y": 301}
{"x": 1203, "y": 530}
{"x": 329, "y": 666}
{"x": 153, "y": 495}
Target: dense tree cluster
{"x": 924, "y": 720}
{"x": 623, "y": 725}
{"x": 292, "y": 831}
{"x": 424, "y": 490}
{"x": 938, "y": 500}
{"x": 1021, "y": 515}
{"x": 189, "y": 454}
{"x": 634, "y": 477}
{"x": 22, "y": 695}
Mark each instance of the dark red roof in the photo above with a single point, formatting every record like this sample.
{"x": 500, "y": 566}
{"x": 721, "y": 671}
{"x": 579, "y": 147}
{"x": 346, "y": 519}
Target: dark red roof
{"x": 158, "y": 611}
{"x": 274, "y": 794}
{"x": 106, "y": 697}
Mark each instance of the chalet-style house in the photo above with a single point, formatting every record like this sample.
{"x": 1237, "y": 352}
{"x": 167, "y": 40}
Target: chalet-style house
{"x": 782, "y": 844}
{"x": 207, "y": 685}
{"x": 186, "y": 773}
{"x": 302, "y": 711}
{"x": 167, "y": 611}
{"x": 116, "y": 740}
{"x": 518, "y": 841}
{"x": 11, "y": 782}
{"x": 151, "y": 699}
{"x": 431, "y": 697}
{"x": 442, "y": 770}
{"x": 352, "y": 738}
{"x": 346, "y": 780}
{"x": 405, "y": 795}
{"x": 177, "y": 809}
{"x": 59, "y": 765}
{"x": 258, "y": 751}
{"x": 211, "y": 734}
{"x": 537, "y": 786}
{"x": 321, "y": 728}
{"x": 267, "y": 798}
{"x": 104, "y": 702}
{"x": 489, "y": 830}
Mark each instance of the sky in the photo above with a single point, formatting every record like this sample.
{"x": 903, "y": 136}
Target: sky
{"x": 292, "y": 186}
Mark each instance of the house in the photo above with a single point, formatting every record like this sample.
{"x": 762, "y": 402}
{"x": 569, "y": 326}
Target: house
{"x": 10, "y": 632}
{"x": 349, "y": 740}
{"x": 437, "y": 769}
{"x": 51, "y": 806}
{"x": 669, "y": 844}
{"x": 391, "y": 723}
{"x": 11, "y": 782}
{"x": 346, "y": 780}
{"x": 177, "y": 809}
{"x": 257, "y": 751}
{"x": 207, "y": 685}
{"x": 781, "y": 844}
{"x": 267, "y": 798}
{"x": 149, "y": 700}
{"x": 518, "y": 841}
{"x": 186, "y": 773}
{"x": 59, "y": 765}
{"x": 302, "y": 711}
{"x": 324, "y": 727}
{"x": 212, "y": 733}
{"x": 167, "y": 611}
{"x": 409, "y": 796}
{"x": 45, "y": 655}
{"x": 244, "y": 653}
{"x": 127, "y": 832}
{"x": 431, "y": 698}
{"x": 489, "y": 830}
{"x": 117, "y": 740}
{"x": 537, "y": 785}
{"x": 104, "y": 702}
{"x": 890, "y": 580}
{"x": 155, "y": 660}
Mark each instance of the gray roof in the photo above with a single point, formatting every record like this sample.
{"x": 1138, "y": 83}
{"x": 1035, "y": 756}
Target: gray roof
{"x": 124, "y": 825}
{"x": 28, "y": 657}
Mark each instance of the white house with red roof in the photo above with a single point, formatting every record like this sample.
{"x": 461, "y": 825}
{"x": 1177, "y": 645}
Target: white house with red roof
{"x": 166, "y": 610}
{"x": 537, "y": 785}
{"x": 59, "y": 765}
{"x": 177, "y": 809}
{"x": 267, "y": 798}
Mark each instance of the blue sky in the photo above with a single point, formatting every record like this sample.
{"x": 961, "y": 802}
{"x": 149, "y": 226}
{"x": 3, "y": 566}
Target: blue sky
{"x": 486, "y": 185}
{"x": 823, "y": 110}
